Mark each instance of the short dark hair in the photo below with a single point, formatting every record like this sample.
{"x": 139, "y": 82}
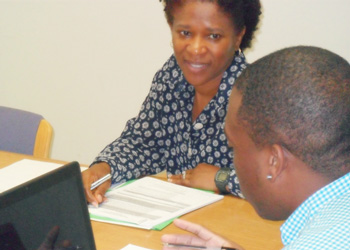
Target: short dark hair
{"x": 299, "y": 98}
{"x": 243, "y": 13}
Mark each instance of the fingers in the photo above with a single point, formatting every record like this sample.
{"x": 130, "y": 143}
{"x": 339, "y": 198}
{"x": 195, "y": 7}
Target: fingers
{"x": 88, "y": 178}
{"x": 184, "y": 225}
{"x": 185, "y": 239}
{"x": 202, "y": 176}
{"x": 194, "y": 228}
{"x": 200, "y": 236}
{"x": 99, "y": 192}
{"x": 188, "y": 226}
{"x": 183, "y": 179}
{"x": 91, "y": 175}
{"x": 204, "y": 237}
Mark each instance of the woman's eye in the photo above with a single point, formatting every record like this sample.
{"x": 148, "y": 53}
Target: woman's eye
{"x": 185, "y": 33}
{"x": 214, "y": 36}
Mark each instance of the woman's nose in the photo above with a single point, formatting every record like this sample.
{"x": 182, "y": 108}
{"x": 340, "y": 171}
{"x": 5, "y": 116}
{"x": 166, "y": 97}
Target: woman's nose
{"x": 196, "y": 46}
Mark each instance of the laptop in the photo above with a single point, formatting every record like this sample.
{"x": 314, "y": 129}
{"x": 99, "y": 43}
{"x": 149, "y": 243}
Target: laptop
{"x": 29, "y": 211}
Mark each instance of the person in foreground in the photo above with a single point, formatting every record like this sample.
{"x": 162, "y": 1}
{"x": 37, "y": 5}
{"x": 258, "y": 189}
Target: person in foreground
{"x": 180, "y": 126}
{"x": 288, "y": 123}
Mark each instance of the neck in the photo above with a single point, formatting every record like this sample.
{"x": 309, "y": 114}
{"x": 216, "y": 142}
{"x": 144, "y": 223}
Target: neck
{"x": 303, "y": 182}
{"x": 201, "y": 99}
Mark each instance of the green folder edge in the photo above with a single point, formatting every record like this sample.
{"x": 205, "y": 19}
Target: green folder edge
{"x": 158, "y": 227}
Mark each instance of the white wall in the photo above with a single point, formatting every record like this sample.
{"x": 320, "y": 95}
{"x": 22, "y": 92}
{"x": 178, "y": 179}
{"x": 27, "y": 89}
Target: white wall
{"x": 87, "y": 65}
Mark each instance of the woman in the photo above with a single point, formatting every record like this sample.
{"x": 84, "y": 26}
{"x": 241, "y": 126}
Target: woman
{"x": 180, "y": 125}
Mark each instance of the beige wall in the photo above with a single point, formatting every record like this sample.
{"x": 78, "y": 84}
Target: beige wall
{"x": 87, "y": 65}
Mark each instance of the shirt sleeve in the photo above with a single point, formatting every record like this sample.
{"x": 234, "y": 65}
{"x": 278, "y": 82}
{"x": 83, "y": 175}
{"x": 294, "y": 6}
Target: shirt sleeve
{"x": 233, "y": 185}
{"x": 138, "y": 151}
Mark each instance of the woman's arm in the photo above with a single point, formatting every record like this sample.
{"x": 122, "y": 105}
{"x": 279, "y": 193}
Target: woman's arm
{"x": 201, "y": 177}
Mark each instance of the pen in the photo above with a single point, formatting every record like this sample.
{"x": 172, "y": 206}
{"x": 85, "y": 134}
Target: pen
{"x": 197, "y": 247}
{"x": 100, "y": 181}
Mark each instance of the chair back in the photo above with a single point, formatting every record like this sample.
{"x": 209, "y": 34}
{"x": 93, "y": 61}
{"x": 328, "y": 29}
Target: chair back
{"x": 24, "y": 132}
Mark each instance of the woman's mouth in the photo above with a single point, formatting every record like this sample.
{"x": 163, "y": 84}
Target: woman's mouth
{"x": 196, "y": 66}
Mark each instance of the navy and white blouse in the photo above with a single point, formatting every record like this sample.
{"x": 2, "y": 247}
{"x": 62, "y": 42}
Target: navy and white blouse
{"x": 163, "y": 135}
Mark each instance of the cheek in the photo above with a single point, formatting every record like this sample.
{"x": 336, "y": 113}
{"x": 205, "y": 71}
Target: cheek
{"x": 223, "y": 54}
{"x": 246, "y": 173}
{"x": 178, "y": 46}
{"x": 176, "y": 41}
{"x": 241, "y": 170}
{"x": 223, "y": 49}
{"x": 174, "y": 44}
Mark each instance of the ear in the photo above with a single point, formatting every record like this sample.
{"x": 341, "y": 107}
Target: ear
{"x": 240, "y": 36}
{"x": 277, "y": 162}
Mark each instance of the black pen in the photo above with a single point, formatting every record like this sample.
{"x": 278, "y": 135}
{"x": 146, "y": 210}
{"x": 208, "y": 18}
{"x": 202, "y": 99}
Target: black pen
{"x": 197, "y": 247}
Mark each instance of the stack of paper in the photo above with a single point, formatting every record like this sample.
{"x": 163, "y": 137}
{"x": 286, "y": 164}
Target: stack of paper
{"x": 150, "y": 203}
{"x": 23, "y": 171}
{"x": 134, "y": 247}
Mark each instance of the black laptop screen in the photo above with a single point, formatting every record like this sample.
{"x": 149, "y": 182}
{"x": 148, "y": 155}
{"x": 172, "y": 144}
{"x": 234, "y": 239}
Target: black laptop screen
{"x": 28, "y": 212}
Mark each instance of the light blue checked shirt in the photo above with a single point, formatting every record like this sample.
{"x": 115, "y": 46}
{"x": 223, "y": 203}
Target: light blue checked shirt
{"x": 322, "y": 221}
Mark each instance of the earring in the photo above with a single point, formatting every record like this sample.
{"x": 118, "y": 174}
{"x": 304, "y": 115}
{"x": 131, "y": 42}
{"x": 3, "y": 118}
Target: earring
{"x": 269, "y": 177}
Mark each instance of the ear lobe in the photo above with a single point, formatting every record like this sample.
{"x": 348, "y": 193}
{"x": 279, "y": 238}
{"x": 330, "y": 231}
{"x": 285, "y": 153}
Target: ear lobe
{"x": 276, "y": 162}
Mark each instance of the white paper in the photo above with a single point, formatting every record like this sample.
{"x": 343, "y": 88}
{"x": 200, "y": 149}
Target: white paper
{"x": 23, "y": 171}
{"x": 148, "y": 202}
{"x": 134, "y": 247}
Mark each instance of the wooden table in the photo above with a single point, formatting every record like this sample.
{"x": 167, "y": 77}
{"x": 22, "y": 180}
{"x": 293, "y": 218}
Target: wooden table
{"x": 231, "y": 217}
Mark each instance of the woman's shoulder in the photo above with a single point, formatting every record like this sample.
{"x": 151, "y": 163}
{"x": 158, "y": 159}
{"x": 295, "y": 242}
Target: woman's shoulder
{"x": 168, "y": 76}
{"x": 170, "y": 66}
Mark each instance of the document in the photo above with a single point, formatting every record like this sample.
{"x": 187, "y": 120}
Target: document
{"x": 150, "y": 203}
{"x": 134, "y": 247}
{"x": 23, "y": 171}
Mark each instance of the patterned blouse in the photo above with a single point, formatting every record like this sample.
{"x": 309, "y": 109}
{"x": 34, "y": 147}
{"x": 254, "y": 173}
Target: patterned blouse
{"x": 163, "y": 135}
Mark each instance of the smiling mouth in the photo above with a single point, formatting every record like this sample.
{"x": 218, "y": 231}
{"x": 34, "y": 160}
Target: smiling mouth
{"x": 196, "y": 66}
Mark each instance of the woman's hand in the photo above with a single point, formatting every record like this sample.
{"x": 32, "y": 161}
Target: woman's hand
{"x": 201, "y": 177}
{"x": 201, "y": 237}
{"x": 91, "y": 175}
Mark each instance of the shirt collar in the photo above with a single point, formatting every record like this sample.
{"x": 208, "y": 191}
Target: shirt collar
{"x": 236, "y": 67}
{"x": 291, "y": 229}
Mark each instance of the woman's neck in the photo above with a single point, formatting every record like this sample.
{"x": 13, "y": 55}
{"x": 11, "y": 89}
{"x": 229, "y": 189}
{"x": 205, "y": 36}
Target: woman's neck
{"x": 201, "y": 99}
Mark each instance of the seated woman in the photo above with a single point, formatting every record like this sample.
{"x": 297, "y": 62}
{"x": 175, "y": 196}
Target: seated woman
{"x": 180, "y": 126}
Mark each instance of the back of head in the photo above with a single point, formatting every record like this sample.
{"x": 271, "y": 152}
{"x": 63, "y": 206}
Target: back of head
{"x": 299, "y": 98}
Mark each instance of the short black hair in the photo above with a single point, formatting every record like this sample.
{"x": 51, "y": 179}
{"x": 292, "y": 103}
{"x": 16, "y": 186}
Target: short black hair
{"x": 299, "y": 98}
{"x": 243, "y": 13}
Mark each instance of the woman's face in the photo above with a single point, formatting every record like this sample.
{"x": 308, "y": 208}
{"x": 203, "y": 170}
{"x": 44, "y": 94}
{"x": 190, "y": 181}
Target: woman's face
{"x": 204, "y": 41}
